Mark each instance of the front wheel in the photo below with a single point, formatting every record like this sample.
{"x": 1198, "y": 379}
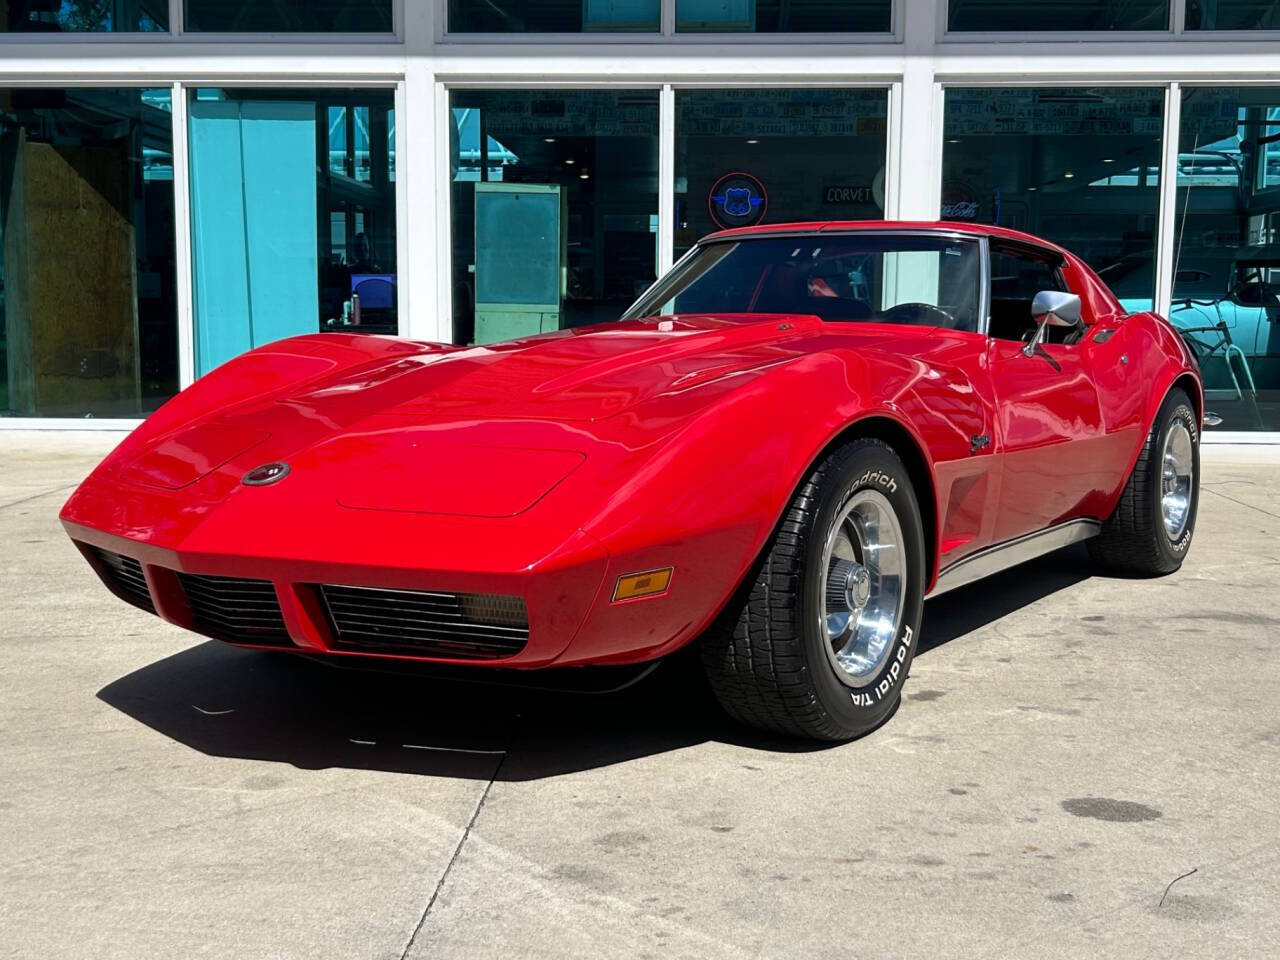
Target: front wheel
{"x": 1150, "y": 530}
{"x": 819, "y": 642}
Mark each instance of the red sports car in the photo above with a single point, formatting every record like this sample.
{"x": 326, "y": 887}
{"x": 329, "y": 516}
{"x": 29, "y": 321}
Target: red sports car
{"x": 782, "y": 448}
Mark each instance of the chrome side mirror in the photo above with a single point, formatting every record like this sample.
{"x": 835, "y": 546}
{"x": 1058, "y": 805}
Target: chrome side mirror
{"x": 1051, "y": 308}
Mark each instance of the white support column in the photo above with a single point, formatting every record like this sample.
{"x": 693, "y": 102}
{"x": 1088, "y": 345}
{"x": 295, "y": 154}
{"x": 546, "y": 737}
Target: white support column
{"x": 441, "y": 187}
{"x": 914, "y": 191}
{"x": 893, "y": 153}
{"x": 418, "y": 177}
{"x": 184, "y": 287}
{"x": 666, "y": 177}
{"x": 416, "y": 173}
{"x": 404, "y": 278}
{"x": 416, "y": 24}
{"x": 916, "y": 179}
{"x": 668, "y": 18}
{"x": 1167, "y": 236}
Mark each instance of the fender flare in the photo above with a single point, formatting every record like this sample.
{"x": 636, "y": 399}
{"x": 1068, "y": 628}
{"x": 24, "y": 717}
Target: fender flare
{"x": 1172, "y": 375}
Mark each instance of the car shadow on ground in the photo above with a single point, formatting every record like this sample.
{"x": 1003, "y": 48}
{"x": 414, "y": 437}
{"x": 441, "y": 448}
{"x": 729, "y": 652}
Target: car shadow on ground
{"x": 966, "y": 609}
{"x": 228, "y": 702}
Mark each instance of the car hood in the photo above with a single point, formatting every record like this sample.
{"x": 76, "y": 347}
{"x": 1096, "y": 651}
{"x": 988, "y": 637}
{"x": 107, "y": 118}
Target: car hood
{"x": 579, "y": 375}
{"x": 375, "y": 424}
{"x": 436, "y": 428}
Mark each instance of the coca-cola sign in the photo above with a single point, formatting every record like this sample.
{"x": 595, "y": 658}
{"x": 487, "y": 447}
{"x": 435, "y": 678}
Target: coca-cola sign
{"x": 958, "y": 202}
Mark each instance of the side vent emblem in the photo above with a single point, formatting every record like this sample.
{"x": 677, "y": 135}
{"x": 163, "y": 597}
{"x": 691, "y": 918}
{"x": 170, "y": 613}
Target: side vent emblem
{"x": 266, "y": 474}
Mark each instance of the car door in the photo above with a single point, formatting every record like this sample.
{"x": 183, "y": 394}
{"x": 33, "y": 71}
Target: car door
{"x": 1049, "y": 424}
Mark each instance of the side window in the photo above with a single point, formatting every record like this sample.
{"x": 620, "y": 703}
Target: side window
{"x": 1016, "y": 277}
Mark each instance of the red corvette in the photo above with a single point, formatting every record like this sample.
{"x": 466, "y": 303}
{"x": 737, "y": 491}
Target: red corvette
{"x": 780, "y": 450}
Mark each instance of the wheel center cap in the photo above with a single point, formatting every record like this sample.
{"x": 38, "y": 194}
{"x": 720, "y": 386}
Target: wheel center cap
{"x": 858, "y": 587}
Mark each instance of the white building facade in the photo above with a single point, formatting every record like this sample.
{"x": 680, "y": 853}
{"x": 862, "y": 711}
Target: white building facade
{"x": 182, "y": 180}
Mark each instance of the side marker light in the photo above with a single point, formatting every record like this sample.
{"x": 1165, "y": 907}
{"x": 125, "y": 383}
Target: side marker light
{"x": 633, "y": 586}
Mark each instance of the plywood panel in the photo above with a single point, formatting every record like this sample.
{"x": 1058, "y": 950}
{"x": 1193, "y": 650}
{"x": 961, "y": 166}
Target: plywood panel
{"x": 71, "y": 316}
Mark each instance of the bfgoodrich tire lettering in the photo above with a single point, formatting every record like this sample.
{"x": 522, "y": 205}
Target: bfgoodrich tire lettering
{"x": 1136, "y": 539}
{"x": 768, "y": 656}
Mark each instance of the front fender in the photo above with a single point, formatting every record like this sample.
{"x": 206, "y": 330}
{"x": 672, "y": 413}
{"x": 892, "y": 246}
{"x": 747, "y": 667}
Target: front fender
{"x": 711, "y": 493}
{"x": 260, "y": 374}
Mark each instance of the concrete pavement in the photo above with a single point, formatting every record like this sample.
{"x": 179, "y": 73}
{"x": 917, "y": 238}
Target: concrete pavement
{"x": 1068, "y": 746}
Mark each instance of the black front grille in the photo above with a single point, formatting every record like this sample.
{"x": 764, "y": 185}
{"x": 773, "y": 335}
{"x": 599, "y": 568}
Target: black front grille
{"x": 236, "y": 610}
{"x": 463, "y": 626}
{"x": 125, "y": 574}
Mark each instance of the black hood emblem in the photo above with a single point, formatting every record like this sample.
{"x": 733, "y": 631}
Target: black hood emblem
{"x": 266, "y": 474}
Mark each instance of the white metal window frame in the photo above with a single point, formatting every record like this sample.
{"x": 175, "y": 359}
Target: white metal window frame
{"x": 183, "y": 247}
{"x": 178, "y": 34}
{"x": 666, "y": 155}
{"x": 667, "y": 34}
{"x": 422, "y": 63}
{"x": 1175, "y": 29}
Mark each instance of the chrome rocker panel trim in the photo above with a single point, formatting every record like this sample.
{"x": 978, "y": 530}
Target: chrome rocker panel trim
{"x": 1002, "y": 556}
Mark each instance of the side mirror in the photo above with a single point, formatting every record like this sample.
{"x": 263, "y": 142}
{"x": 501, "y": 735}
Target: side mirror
{"x": 1052, "y": 308}
{"x": 1248, "y": 293}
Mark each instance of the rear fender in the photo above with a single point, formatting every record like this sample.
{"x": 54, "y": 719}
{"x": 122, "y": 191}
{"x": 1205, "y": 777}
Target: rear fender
{"x": 1165, "y": 362}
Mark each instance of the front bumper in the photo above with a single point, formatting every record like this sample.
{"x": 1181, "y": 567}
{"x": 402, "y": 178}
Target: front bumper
{"x": 561, "y": 557}
{"x": 438, "y": 602}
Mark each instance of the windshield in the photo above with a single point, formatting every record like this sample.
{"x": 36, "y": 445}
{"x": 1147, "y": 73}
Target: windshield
{"x": 922, "y": 279}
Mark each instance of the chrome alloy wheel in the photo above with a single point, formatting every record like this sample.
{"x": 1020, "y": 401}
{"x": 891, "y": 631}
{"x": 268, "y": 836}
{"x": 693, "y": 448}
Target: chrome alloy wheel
{"x": 1176, "y": 479}
{"x": 863, "y": 587}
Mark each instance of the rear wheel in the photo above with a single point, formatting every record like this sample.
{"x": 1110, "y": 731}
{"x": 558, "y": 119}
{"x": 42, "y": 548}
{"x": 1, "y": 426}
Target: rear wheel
{"x": 819, "y": 642}
{"x": 1150, "y": 530}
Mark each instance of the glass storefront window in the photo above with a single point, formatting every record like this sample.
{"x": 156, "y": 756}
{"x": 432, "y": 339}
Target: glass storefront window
{"x": 349, "y": 154}
{"x": 1081, "y": 16}
{"x": 1078, "y": 166}
{"x": 287, "y": 16}
{"x": 784, "y": 16}
{"x": 84, "y": 16}
{"x": 87, "y": 304}
{"x": 753, "y": 156}
{"x": 293, "y": 216}
{"x": 1233, "y": 15}
{"x": 569, "y": 16}
{"x": 555, "y": 207}
{"x": 1226, "y": 285}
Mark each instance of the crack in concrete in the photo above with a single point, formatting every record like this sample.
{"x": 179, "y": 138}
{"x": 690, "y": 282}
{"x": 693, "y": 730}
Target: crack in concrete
{"x": 1219, "y": 493}
{"x": 37, "y": 496}
{"x": 457, "y": 852}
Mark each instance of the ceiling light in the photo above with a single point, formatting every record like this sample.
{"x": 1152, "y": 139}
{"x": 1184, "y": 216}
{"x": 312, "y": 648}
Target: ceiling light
{"x": 548, "y": 139}
{"x": 1032, "y": 189}
{"x": 953, "y": 141}
{"x": 571, "y": 161}
{"x": 1068, "y": 175}
{"x": 584, "y": 176}
{"x": 753, "y": 141}
{"x": 1108, "y": 160}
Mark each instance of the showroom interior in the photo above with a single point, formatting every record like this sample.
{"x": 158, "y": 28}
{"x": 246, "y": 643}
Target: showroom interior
{"x": 183, "y": 180}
